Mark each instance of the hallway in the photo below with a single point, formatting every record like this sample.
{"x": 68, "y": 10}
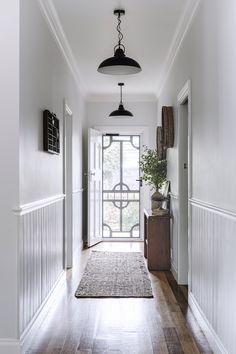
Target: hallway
{"x": 176, "y": 93}
{"x": 162, "y": 325}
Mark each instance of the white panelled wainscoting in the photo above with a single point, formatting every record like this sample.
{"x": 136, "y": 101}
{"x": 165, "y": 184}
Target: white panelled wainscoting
{"x": 77, "y": 220}
{"x": 40, "y": 256}
{"x": 211, "y": 287}
{"x": 174, "y": 234}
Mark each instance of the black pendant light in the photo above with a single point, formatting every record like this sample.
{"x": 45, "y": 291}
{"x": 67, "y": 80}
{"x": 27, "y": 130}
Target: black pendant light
{"x": 121, "y": 112}
{"x": 119, "y": 64}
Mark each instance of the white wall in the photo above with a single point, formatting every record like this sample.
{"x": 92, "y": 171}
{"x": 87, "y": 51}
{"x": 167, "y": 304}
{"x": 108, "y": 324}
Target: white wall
{"x": 145, "y": 114}
{"x": 9, "y": 175}
{"x": 45, "y": 83}
{"x": 207, "y": 57}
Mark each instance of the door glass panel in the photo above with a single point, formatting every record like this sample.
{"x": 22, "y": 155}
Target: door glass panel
{"x": 111, "y": 216}
{"x": 121, "y": 138}
{"x": 130, "y": 216}
{"x": 130, "y": 165}
{"x": 121, "y": 195}
{"x": 111, "y": 166}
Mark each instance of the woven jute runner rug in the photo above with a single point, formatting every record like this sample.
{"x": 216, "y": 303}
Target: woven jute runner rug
{"x": 115, "y": 274}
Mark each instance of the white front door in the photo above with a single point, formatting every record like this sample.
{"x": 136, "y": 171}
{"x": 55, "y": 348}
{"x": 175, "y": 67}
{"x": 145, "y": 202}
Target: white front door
{"x": 94, "y": 187}
{"x": 121, "y": 187}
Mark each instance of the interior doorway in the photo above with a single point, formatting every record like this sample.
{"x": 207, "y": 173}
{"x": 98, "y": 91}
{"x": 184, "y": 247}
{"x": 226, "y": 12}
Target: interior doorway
{"x": 67, "y": 187}
{"x": 184, "y": 171}
{"x": 121, "y": 186}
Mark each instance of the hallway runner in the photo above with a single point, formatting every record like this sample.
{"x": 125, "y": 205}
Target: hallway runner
{"x": 115, "y": 274}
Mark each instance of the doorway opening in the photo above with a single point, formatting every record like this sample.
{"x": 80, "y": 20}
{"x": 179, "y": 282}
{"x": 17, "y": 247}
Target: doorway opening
{"x": 121, "y": 187}
{"x": 184, "y": 171}
{"x": 67, "y": 188}
{"x": 134, "y": 139}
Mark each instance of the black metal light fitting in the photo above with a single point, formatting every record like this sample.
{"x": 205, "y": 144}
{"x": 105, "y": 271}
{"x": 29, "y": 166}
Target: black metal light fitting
{"x": 119, "y": 64}
{"x": 121, "y": 112}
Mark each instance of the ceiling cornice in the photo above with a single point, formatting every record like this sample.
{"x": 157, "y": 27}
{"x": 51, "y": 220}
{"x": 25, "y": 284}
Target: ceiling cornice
{"x": 179, "y": 36}
{"x": 50, "y": 14}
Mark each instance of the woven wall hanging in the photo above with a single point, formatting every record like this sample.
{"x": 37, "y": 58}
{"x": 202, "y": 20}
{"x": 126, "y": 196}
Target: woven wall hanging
{"x": 168, "y": 127}
{"x": 159, "y": 143}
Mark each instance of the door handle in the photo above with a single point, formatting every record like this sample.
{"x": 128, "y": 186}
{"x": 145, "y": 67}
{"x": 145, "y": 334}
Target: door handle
{"x": 140, "y": 180}
{"x": 89, "y": 174}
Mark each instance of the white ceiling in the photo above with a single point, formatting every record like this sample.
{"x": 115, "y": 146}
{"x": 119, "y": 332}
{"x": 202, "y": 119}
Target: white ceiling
{"x": 150, "y": 28}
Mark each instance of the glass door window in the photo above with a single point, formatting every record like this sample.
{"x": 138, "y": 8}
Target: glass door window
{"x": 121, "y": 194}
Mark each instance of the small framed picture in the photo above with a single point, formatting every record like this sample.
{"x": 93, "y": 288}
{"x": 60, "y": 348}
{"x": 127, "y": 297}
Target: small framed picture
{"x": 164, "y": 190}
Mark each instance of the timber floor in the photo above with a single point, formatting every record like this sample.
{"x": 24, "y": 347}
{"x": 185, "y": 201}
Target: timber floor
{"x": 162, "y": 325}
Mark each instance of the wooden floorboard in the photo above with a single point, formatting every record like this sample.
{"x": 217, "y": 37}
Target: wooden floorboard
{"x": 162, "y": 325}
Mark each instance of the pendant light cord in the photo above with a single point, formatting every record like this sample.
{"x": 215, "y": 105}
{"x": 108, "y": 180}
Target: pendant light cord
{"x": 120, "y": 34}
{"x": 121, "y": 101}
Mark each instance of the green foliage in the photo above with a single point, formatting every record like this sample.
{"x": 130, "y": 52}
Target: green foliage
{"x": 154, "y": 170}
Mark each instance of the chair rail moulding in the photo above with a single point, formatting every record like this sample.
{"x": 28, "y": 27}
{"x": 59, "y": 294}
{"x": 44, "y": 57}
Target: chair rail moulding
{"x": 209, "y": 206}
{"x": 29, "y": 207}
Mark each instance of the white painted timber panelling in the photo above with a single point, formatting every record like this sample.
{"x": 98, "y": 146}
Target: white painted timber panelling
{"x": 40, "y": 257}
{"x": 213, "y": 262}
{"x": 174, "y": 206}
{"x": 77, "y": 220}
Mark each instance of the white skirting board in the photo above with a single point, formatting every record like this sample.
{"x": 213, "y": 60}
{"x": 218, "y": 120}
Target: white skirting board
{"x": 209, "y": 332}
{"x": 174, "y": 224}
{"x": 10, "y": 346}
{"x": 174, "y": 272}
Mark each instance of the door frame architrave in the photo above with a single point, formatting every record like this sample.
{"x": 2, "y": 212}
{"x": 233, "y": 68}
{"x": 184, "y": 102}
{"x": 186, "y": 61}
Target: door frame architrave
{"x": 67, "y": 184}
{"x": 183, "y": 96}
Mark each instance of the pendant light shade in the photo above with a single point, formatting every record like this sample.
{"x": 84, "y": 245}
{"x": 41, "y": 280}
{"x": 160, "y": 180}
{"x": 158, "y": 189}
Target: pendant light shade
{"x": 119, "y": 64}
{"x": 121, "y": 112}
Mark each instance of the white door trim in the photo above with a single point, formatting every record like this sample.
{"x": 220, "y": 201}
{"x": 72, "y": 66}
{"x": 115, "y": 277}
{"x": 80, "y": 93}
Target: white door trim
{"x": 67, "y": 186}
{"x": 143, "y": 131}
{"x": 94, "y": 210}
{"x": 185, "y": 94}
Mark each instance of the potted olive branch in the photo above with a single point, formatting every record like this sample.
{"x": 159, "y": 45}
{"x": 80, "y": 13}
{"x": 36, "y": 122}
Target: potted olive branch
{"x": 154, "y": 173}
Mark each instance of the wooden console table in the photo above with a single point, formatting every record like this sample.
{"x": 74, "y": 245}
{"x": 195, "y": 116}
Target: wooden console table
{"x": 157, "y": 241}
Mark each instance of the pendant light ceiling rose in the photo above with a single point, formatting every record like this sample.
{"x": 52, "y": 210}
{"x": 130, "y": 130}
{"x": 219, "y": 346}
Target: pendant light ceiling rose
{"x": 119, "y": 64}
{"x": 119, "y": 12}
{"x": 121, "y": 112}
